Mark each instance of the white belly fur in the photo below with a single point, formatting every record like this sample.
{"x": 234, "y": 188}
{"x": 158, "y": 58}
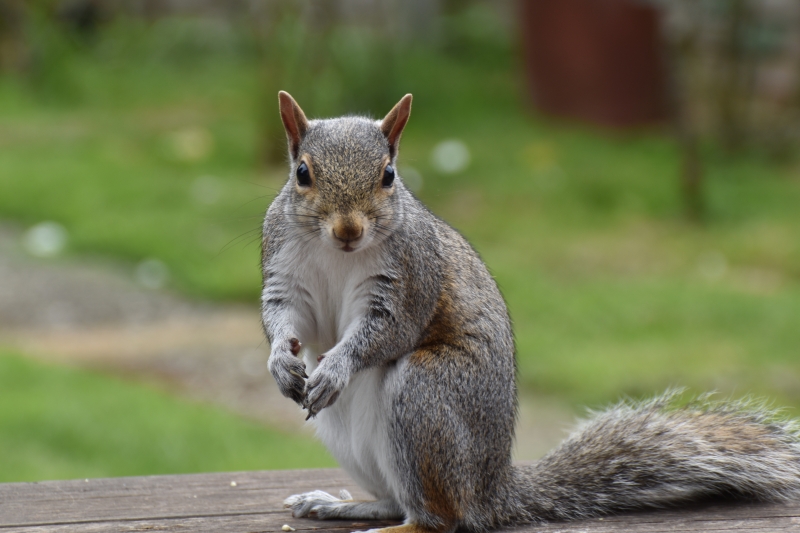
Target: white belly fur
{"x": 354, "y": 429}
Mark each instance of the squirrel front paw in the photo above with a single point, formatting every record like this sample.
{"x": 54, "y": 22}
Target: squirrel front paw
{"x": 324, "y": 385}
{"x": 288, "y": 370}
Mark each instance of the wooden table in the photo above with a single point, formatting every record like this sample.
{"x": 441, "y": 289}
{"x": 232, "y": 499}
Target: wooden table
{"x": 251, "y": 502}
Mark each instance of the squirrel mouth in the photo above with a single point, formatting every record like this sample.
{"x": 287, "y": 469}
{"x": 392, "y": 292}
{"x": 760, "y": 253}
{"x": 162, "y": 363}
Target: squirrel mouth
{"x": 347, "y": 248}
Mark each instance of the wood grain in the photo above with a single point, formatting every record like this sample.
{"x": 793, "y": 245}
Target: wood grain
{"x": 210, "y": 503}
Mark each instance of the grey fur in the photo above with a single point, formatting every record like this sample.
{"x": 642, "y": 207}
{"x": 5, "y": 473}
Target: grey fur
{"x": 437, "y": 327}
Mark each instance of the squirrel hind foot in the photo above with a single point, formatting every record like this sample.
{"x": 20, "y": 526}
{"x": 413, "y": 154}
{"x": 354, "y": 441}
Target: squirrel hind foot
{"x": 323, "y": 506}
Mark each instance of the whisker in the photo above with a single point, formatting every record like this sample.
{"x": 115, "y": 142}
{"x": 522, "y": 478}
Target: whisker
{"x": 254, "y": 199}
{"x": 302, "y": 226}
{"x": 258, "y": 184}
{"x": 233, "y": 242}
{"x": 308, "y": 237}
{"x": 309, "y": 208}
{"x": 228, "y": 219}
{"x": 377, "y": 208}
{"x": 252, "y": 241}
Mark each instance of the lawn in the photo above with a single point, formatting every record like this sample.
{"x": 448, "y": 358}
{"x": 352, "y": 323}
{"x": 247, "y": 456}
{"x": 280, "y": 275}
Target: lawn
{"x": 61, "y": 423}
{"x": 612, "y": 291}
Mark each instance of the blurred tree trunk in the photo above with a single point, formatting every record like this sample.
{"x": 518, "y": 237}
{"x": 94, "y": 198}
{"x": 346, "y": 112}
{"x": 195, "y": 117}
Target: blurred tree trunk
{"x": 683, "y": 55}
{"x": 331, "y": 57}
{"x": 734, "y": 82}
{"x": 291, "y": 38}
{"x": 14, "y": 50}
{"x": 691, "y": 173}
{"x": 262, "y": 20}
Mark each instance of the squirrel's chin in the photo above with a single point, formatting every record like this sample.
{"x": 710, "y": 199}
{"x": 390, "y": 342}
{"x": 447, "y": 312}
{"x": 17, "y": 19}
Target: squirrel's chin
{"x": 349, "y": 248}
{"x": 346, "y": 248}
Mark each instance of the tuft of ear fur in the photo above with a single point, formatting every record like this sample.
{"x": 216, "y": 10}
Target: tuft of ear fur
{"x": 294, "y": 121}
{"x": 393, "y": 124}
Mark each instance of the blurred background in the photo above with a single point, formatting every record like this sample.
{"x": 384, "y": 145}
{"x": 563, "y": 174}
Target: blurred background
{"x": 628, "y": 169}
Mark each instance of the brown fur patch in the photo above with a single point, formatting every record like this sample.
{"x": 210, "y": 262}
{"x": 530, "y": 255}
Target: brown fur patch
{"x": 413, "y": 528}
{"x": 731, "y": 434}
{"x": 445, "y": 328}
{"x": 438, "y": 500}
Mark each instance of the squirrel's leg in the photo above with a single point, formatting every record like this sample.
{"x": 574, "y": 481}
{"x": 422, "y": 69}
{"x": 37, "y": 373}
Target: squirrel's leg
{"x": 320, "y": 504}
{"x": 434, "y": 445}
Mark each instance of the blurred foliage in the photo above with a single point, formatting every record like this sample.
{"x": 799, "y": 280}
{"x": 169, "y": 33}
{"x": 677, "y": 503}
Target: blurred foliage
{"x": 738, "y": 67}
{"x": 61, "y": 423}
{"x": 333, "y": 70}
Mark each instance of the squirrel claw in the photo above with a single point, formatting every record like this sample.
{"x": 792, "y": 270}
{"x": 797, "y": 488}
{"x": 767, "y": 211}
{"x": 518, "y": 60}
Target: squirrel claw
{"x": 311, "y": 412}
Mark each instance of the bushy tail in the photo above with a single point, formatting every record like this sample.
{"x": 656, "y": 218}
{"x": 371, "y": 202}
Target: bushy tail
{"x": 656, "y": 453}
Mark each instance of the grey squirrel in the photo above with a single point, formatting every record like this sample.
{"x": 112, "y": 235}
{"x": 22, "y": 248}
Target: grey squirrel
{"x": 386, "y": 326}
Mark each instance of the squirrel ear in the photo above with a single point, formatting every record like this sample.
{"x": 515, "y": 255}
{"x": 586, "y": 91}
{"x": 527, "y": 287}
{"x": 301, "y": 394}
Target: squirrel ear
{"x": 392, "y": 126}
{"x": 294, "y": 121}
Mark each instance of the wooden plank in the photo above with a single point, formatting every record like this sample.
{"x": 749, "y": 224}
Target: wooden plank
{"x": 213, "y": 524}
{"x": 195, "y": 495}
{"x": 210, "y": 503}
{"x": 261, "y": 523}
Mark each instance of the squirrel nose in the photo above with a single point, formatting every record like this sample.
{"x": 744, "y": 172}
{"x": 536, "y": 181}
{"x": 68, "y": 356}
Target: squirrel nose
{"x": 348, "y": 233}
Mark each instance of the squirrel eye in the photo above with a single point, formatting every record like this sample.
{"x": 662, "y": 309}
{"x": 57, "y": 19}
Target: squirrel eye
{"x": 303, "y": 175}
{"x": 388, "y": 176}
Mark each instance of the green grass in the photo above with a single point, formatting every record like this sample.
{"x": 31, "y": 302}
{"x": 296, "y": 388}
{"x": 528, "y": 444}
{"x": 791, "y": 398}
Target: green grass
{"x": 61, "y": 423}
{"x": 120, "y": 185}
{"x": 611, "y": 290}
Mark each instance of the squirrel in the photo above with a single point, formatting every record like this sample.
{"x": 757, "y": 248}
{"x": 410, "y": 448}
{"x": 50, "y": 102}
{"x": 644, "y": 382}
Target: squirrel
{"x": 387, "y": 327}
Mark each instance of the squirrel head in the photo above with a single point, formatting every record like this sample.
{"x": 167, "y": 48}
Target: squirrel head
{"x": 342, "y": 178}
